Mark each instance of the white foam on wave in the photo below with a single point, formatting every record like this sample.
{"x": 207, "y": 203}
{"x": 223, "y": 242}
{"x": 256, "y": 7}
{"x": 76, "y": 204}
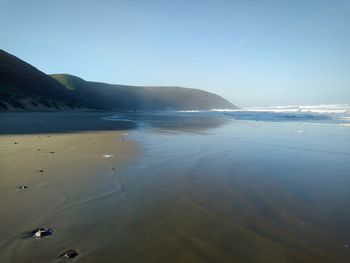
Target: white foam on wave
{"x": 213, "y": 110}
{"x": 331, "y": 114}
{"x": 326, "y": 110}
{"x": 322, "y": 109}
{"x": 224, "y": 110}
{"x": 188, "y": 111}
{"x": 277, "y": 110}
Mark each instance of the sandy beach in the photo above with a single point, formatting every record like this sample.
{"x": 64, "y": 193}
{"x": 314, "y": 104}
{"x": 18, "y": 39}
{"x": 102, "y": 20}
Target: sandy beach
{"x": 187, "y": 187}
{"x": 62, "y": 172}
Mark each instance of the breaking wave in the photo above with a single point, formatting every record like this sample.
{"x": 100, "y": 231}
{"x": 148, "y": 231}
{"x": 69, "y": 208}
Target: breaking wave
{"x": 330, "y": 114}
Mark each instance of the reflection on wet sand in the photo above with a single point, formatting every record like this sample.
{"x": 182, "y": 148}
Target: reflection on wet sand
{"x": 172, "y": 121}
{"x": 218, "y": 196}
{"x": 214, "y": 191}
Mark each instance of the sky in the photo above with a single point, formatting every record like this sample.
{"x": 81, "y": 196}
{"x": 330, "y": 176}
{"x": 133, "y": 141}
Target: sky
{"x": 252, "y": 52}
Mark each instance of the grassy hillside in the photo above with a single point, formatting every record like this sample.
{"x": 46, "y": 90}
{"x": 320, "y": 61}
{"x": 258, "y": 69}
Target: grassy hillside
{"x": 122, "y": 97}
{"x": 23, "y": 87}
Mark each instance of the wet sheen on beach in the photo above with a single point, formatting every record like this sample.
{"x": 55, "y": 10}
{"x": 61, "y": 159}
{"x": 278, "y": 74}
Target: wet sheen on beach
{"x": 201, "y": 187}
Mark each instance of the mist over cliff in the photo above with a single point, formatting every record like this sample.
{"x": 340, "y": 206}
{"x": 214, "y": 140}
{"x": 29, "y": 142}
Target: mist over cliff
{"x": 23, "y": 87}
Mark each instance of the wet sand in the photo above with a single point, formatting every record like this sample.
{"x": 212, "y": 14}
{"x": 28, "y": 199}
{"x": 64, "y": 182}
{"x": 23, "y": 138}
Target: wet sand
{"x": 241, "y": 192}
{"x": 185, "y": 190}
{"x": 63, "y": 172}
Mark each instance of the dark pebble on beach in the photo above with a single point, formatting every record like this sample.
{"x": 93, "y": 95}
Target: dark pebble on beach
{"x": 72, "y": 253}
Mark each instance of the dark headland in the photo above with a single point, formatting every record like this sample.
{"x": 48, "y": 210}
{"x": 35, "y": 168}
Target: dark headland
{"x": 25, "y": 88}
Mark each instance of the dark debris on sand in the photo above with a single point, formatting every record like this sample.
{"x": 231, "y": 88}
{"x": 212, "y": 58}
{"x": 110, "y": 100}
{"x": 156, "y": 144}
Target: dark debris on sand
{"x": 72, "y": 253}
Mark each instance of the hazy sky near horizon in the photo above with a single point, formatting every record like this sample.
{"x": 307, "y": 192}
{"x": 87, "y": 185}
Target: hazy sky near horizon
{"x": 252, "y": 52}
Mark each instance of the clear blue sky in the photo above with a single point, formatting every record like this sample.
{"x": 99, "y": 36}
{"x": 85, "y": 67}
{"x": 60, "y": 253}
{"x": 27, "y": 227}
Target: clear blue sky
{"x": 252, "y": 52}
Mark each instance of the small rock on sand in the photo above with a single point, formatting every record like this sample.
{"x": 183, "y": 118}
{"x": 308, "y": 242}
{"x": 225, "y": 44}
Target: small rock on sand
{"x": 72, "y": 253}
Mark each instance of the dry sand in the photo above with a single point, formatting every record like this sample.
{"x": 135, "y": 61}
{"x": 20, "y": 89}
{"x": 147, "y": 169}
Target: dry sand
{"x": 63, "y": 172}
